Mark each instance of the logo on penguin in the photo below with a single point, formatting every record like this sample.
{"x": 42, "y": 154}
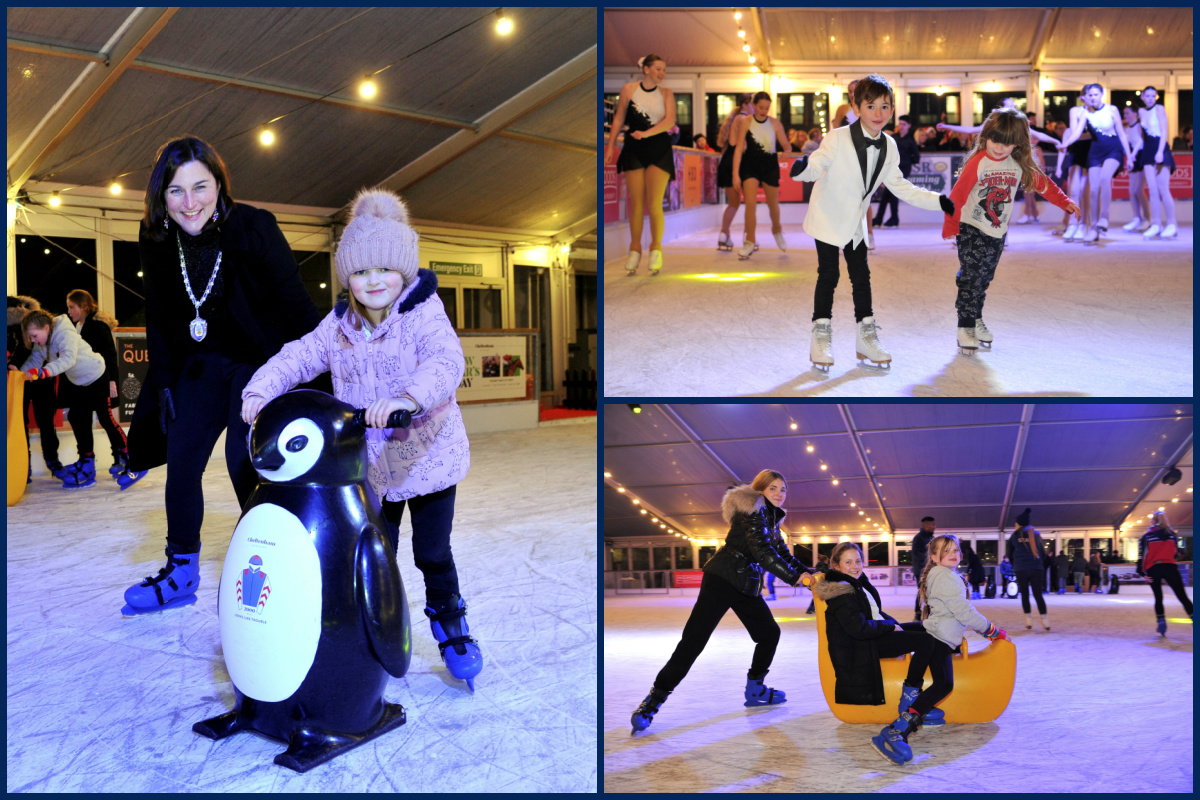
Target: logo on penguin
{"x": 253, "y": 587}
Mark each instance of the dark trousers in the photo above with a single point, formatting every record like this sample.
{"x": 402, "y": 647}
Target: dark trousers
{"x": 978, "y": 255}
{"x": 828, "y": 274}
{"x": 1169, "y": 573}
{"x": 927, "y": 653}
{"x": 208, "y": 400}
{"x": 82, "y": 402}
{"x": 717, "y": 596}
{"x": 432, "y": 519}
{"x": 1031, "y": 579}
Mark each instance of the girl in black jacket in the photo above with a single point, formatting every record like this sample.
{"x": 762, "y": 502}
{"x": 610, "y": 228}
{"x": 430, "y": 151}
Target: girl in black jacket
{"x": 96, "y": 327}
{"x": 733, "y": 579}
{"x": 859, "y": 633}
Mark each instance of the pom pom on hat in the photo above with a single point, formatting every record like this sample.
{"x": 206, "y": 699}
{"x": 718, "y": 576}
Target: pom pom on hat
{"x": 1023, "y": 517}
{"x": 378, "y": 235}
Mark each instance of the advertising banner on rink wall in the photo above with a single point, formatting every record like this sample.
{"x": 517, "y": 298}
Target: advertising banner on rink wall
{"x": 688, "y": 578}
{"x": 132, "y": 362}
{"x": 496, "y": 368}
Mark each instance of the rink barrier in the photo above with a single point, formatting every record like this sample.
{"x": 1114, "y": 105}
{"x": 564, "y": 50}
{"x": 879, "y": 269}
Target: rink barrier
{"x": 983, "y": 682}
{"x": 18, "y": 449}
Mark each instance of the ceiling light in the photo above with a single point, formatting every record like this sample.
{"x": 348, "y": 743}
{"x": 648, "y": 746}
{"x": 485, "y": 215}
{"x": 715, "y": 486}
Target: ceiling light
{"x": 861, "y": 512}
{"x": 323, "y": 285}
{"x": 367, "y": 88}
{"x": 753, "y": 68}
{"x": 504, "y": 25}
{"x": 795, "y": 426}
{"x": 661, "y": 525}
{"x": 55, "y": 201}
{"x": 607, "y": 474}
{"x": 635, "y": 408}
{"x": 654, "y": 519}
{"x": 79, "y": 261}
{"x": 621, "y": 489}
{"x": 46, "y": 251}
{"x": 835, "y": 481}
{"x": 810, "y": 448}
{"x": 745, "y": 48}
{"x": 643, "y": 511}
{"x": 823, "y": 467}
{"x": 637, "y": 502}
{"x": 852, "y": 504}
{"x": 139, "y": 274}
{"x": 1174, "y": 499}
{"x": 115, "y": 188}
{"x": 266, "y": 137}
{"x": 741, "y": 34}
{"x": 737, "y": 15}
{"x": 751, "y": 59}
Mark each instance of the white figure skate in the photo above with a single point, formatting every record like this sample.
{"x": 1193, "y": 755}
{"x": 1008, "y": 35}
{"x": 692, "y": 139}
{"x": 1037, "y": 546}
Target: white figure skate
{"x": 747, "y": 249}
{"x": 967, "y": 343}
{"x": 820, "y": 350}
{"x": 983, "y": 334}
{"x": 655, "y": 262}
{"x": 1093, "y": 233}
{"x": 724, "y": 243}
{"x": 868, "y": 346}
{"x": 1168, "y": 232}
{"x": 779, "y": 240}
{"x": 1132, "y": 225}
{"x": 631, "y": 262}
{"x": 1152, "y": 232}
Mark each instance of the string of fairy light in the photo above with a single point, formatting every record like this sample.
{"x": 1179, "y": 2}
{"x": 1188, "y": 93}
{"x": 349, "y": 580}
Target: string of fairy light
{"x": 745, "y": 45}
{"x": 810, "y": 449}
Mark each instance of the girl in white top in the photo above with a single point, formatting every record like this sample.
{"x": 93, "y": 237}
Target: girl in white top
{"x": 1137, "y": 198}
{"x": 646, "y": 158}
{"x": 1104, "y": 158}
{"x": 755, "y": 164}
{"x": 1157, "y": 165}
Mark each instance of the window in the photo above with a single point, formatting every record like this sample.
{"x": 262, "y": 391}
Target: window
{"x": 1185, "y": 542}
{"x": 1101, "y": 546}
{"x": 481, "y": 309}
{"x": 683, "y": 558}
{"x": 927, "y": 108}
{"x": 531, "y": 295}
{"x": 706, "y": 553}
{"x": 316, "y": 274}
{"x": 449, "y": 297}
{"x": 130, "y": 291}
{"x": 50, "y": 266}
{"x": 620, "y": 559}
{"x": 804, "y": 553}
{"x": 662, "y": 558}
{"x": 877, "y": 554}
{"x": 803, "y": 111}
{"x": 641, "y": 557}
{"x": 903, "y": 555}
{"x": 683, "y": 118}
{"x": 987, "y": 551}
{"x": 984, "y": 102}
{"x": 826, "y": 549}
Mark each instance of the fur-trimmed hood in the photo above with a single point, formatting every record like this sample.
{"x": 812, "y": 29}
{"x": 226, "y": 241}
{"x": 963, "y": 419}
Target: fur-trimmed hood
{"x": 827, "y": 589}
{"x": 22, "y": 306}
{"x": 744, "y": 499}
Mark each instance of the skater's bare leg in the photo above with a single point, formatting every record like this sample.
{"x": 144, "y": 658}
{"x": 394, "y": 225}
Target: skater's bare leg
{"x": 750, "y": 190}
{"x": 773, "y": 206}
{"x": 731, "y": 210}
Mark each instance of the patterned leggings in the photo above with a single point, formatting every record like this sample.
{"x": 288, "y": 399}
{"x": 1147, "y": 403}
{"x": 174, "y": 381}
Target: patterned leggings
{"x": 978, "y": 255}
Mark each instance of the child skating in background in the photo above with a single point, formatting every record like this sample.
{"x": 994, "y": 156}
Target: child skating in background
{"x": 983, "y": 198}
{"x": 947, "y": 615}
{"x": 390, "y": 347}
{"x": 850, "y": 164}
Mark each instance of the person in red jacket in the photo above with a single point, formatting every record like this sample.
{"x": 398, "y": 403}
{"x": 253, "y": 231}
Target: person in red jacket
{"x": 983, "y": 199}
{"x": 1156, "y": 560}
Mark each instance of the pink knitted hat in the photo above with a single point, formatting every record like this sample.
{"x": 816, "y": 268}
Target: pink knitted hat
{"x": 378, "y": 236}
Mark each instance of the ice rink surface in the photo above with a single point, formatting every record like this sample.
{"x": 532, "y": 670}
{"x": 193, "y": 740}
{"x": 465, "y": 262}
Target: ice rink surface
{"x": 1069, "y": 320}
{"x": 1100, "y": 704}
{"x": 97, "y": 702}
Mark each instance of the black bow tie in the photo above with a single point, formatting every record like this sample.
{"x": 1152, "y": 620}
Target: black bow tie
{"x": 873, "y": 142}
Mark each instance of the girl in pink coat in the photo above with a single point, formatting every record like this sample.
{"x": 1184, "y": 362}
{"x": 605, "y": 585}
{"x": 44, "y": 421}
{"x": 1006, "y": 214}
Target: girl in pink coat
{"x": 390, "y": 347}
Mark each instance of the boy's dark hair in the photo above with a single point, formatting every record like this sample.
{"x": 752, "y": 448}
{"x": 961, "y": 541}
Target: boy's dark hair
{"x": 872, "y": 88}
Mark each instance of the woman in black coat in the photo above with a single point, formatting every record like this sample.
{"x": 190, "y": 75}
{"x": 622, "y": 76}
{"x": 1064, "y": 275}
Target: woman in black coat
{"x": 733, "y": 579}
{"x": 223, "y": 294}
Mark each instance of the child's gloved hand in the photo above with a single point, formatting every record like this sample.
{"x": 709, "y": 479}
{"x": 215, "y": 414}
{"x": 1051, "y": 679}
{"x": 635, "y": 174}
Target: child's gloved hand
{"x": 798, "y": 166}
{"x": 35, "y": 374}
{"x": 993, "y": 633}
{"x": 946, "y": 203}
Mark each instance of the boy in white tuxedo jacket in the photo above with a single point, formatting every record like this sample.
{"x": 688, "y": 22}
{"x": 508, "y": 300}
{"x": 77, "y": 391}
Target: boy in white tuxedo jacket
{"x": 848, "y": 166}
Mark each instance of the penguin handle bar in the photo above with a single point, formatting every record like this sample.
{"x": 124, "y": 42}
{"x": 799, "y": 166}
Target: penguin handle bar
{"x": 397, "y": 419}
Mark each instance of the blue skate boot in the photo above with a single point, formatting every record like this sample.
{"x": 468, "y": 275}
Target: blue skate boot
{"x": 645, "y": 712}
{"x": 175, "y": 585}
{"x": 56, "y": 469}
{"x": 81, "y": 474}
{"x": 124, "y": 476}
{"x": 935, "y": 718}
{"x": 892, "y": 741}
{"x": 759, "y": 695}
{"x": 1162, "y": 626}
{"x": 459, "y": 651}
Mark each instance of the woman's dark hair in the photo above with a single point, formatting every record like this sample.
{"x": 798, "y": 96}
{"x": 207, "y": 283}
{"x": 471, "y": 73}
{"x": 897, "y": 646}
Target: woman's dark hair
{"x": 761, "y": 96}
{"x": 170, "y": 157}
{"x": 83, "y": 298}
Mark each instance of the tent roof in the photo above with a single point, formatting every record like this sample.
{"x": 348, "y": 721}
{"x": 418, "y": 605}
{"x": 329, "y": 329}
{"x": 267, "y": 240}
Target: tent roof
{"x": 972, "y": 467}
{"x": 790, "y": 37}
{"x": 472, "y": 128}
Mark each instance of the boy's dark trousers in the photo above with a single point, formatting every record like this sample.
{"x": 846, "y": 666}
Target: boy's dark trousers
{"x": 827, "y": 279}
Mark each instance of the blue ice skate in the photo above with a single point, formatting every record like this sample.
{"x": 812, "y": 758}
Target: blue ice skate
{"x": 645, "y": 712}
{"x": 759, "y": 695}
{"x": 891, "y": 744}
{"x": 459, "y": 651}
{"x": 934, "y": 719}
{"x": 174, "y": 586}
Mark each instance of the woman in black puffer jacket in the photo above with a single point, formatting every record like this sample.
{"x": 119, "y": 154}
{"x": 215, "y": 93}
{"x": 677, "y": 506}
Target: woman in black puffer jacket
{"x": 733, "y": 579}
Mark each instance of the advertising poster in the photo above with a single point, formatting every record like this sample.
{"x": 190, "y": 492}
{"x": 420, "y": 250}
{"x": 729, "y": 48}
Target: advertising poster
{"x": 495, "y": 368}
{"x": 131, "y": 372}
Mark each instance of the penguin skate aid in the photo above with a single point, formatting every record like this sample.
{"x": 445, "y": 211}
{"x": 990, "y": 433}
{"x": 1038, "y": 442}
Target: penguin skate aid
{"x": 367, "y": 344}
{"x": 312, "y": 609}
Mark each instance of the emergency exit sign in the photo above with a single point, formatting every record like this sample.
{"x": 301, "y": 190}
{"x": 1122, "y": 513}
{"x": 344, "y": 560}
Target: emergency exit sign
{"x": 453, "y": 268}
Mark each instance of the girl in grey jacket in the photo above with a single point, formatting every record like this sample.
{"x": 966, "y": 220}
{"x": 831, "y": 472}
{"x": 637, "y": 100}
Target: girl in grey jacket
{"x": 57, "y": 350}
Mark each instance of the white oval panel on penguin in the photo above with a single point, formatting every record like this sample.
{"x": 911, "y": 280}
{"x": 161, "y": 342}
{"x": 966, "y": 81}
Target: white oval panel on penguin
{"x": 270, "y": 610}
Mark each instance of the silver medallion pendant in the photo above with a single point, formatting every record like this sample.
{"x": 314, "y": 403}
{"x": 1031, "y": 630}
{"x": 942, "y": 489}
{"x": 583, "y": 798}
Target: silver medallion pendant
{"x": 199, "y": 329}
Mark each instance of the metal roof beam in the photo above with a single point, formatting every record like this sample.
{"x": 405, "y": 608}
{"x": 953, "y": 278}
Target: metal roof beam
{"x": 1178, "y": 454}
{"x": 1018, "y": 454}
{"x": 693, "y": 437}
{"x": 134, "y": 35}
{"x": 1042, "y": 39}
{"x": 576, "y": 71}
{"x": 844, "y": 410}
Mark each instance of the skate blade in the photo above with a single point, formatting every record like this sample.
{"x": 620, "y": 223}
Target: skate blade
{"x": 876, "y": 364}
{"x": 129, "y": 611}
{"x": 886, "y": 757}
{"x": 743, "y": 258}
{"x": 822, "y": 367}
{"x": 654, "y": 272}
{"x": 985, "y": 345}
{"x": 967, "y": 351}
{"x": 630, "y": 272}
